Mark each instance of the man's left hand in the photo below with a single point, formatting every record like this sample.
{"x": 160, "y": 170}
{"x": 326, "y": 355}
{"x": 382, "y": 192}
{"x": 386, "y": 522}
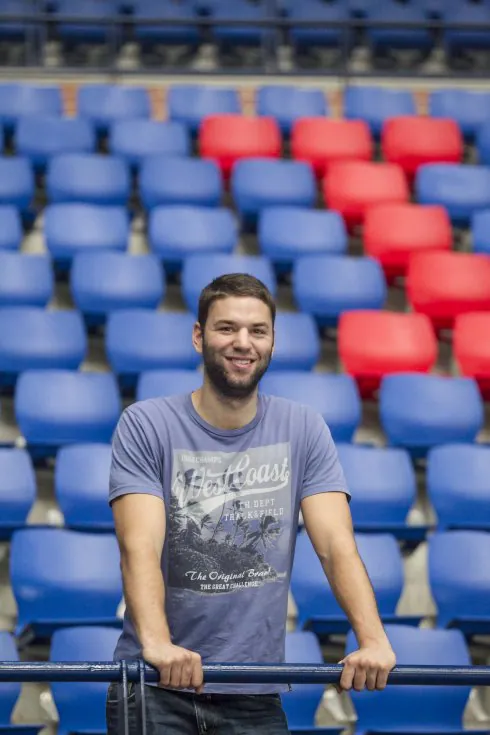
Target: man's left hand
{"x": 368, "y": 667}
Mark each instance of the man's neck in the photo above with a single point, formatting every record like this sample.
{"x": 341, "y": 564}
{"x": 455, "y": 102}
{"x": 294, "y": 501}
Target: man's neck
{"x": 222, "y": 412}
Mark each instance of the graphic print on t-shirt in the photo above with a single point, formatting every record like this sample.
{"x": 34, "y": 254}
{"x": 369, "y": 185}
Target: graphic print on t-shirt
{"x": 229, "y": 518}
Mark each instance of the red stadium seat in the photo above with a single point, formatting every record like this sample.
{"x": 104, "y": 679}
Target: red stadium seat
{"x": 444, "y": 285}
{"x": 354, "y": 186}
{"x": 374, "y": 343}
{"x": 471, "y": 348}
{"x": 321, "y": 141}
{"x": 392, "y": 232}
{"x": 228, "y": 138}
{"x": 412, "y": 141}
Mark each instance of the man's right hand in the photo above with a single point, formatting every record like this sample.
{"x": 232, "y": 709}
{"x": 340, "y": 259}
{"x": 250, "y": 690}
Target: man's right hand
{"x": 179, "y": 668}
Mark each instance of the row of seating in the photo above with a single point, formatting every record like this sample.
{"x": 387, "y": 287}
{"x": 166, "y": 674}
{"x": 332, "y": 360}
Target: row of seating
{"x": 81, "y": 706}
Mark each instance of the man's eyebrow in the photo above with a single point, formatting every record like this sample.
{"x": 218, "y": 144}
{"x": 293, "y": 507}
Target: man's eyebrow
{"x": 223, "y": 322}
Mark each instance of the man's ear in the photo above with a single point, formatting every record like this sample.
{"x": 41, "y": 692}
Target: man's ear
{"x": 197, "y": 335}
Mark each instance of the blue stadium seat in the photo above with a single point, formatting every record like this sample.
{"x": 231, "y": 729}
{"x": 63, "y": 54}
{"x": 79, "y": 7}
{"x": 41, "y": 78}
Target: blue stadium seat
{"x": 140, "y": 339}
{"x": 483, "y": 143}
{"x": 88, "y": 178}
{"x": 315, "y": 10}
{"x": 190, "y": 103}
{"x": 419, "y": 411}
{"x": 16, "y": 182}
{"x": 61, "y": 577}
{"x": 383, "y": 487}
{"x": 187, "y": 33}
{"x": 462, "y": 188}
{"x": 327, "y": 285}
{"x": 177, "y": 231}
{"x": 374, "y": 105}
{"x": 465, "y": 12}
{"x": 81, "y": 705}
{"x": 57, "y": 407}
{"x": 25, "y": 280}
{"x": 199, "y": 270}
{"x": 10, "y": 227}
{"x": 241, "y": 10}
{"x": 480, "y": 231}
{"x": 73, "y": 228}
{"x": 458, "y": 485}
{"x": 133, "y": 140}
{"x": 81, "y": 484}
{"x": 155, "y": 383}
{"x": 41, "y": 137}
{"x": 257, "y": 183}
{"x": 18, "y": 29}
{"x": 17, "y": 491}
{"x": 32, "y": 337}
{"x": 287, "y": 103}
{"x": 286, "y": 234}
{"x": 103, "y": 104}
{"x": 105, "y": 281}
{"x": 19, "y": 100}
{"x": 10, "y": 692}
{"x": 468, "y": 107}
{"x": 82, "y": 11}
{"x": 335, "y": 397}
{"x": 317, "y": 606}
{"x": 398, "y": 38}
{"x": 296, "y": 342}
{"x": 427, "y": 709}
{"x": 167, "y": 180}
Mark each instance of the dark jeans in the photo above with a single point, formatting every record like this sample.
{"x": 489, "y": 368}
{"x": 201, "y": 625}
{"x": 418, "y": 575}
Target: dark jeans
{"x": 171, "y": 712}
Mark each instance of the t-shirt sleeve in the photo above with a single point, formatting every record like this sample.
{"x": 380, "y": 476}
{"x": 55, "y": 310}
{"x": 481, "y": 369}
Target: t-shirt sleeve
{"x": 323, "y": 471}
{"x": 135, "y": 464}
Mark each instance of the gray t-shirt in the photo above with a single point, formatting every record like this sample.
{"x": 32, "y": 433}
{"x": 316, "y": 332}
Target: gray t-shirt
{"x": 232, "y": 500}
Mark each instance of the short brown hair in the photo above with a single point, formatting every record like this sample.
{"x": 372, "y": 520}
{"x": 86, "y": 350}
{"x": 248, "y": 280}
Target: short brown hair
{"x": 234, "y": 284}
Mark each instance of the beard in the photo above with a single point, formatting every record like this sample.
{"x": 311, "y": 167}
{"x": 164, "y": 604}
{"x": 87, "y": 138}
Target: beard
{"x": 232, "y": 386}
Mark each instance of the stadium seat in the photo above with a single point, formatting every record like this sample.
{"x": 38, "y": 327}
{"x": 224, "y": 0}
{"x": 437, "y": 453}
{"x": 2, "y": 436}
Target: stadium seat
{"x": 465, "y": 12}
{"x": 483, "y": 144}
{"x": 140, "y": 339}
{"x": 458, "y": 486}
{"x": 287, "y": 103}
{"x": 19, "y": 100}
{"x": 317, "y": 607}
{"x": 32, "y": 337}
{"x": 81, "y": 484}
{"x": 335, "y": 397}
{"x": 18, "y": 29}
{"x": 61, "y": 577}
{"x": 480, "y": 232}
{"x": 467, "y": 107}
{"x": 191, "y": 103}
{"x": 75, "y": 228}
{"x": 303, "y": 37}
{"x": 444, "y": 285}
{"x": 286, "y": 234}
{"x": 168, "y": 180}
{"x": 411, "y": 142}
{"x": 354, "y": 186}
{"x": 178, "y": 231}
{"x": 106, "y": 281}
{"x": 156, "y": 383}
{"x": 258, "y": 183}
{"x": 471, "y": 348}
{"x": 81, "y": 32}
{"x": 296, "y": 342}
{"x": 11, "y": 233}
{"x": 461, "y": 189}
{"x": 421, "y": 411}
{"x": 88, "y": 178}
{"x": 241, "y": 10}
{"x": 459, "y": 579}
{"x": 427, "y": 709}
{"x": 16, "y": 182}
{"x": 372, "y": 344}
{"x": 81, "y": 706}
{"x": 227, "y": 139}
{"x": 10, "y": 691}
{"x": 40, "y": 138}
{"x": 57, "y": 407}
{"x": 147, "y": 34}
{"x": 103, "y": 104}
{"x": 392, "y": 232}
{"x": 133, "y": 140}
{"x": 25, "y": 280}
{"x": 327, "y": 285}
{"x": 17, "y": 491}
{"x": 199, "y": 270}
{"x": 383, "y": 487}
{"x": 383, "y": 39}
{"x": 374, "y": 105}
{"x": 322, "y": 142}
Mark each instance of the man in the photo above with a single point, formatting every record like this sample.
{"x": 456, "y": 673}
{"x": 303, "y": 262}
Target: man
{"x": 206, "y": 490}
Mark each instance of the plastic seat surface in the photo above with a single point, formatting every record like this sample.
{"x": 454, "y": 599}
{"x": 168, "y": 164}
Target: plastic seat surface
{"x": 25, "y": 280}
{"x": 322, "y": 142}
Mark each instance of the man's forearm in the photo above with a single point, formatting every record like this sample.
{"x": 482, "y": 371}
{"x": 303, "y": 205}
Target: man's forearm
{"x": 144, "y": 593}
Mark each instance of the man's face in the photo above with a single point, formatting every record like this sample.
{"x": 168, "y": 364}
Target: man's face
{"x": 236, "y": 345}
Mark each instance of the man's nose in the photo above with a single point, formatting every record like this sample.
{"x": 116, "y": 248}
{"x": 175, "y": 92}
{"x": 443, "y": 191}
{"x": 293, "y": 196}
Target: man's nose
{"x": 242, "y": 339}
